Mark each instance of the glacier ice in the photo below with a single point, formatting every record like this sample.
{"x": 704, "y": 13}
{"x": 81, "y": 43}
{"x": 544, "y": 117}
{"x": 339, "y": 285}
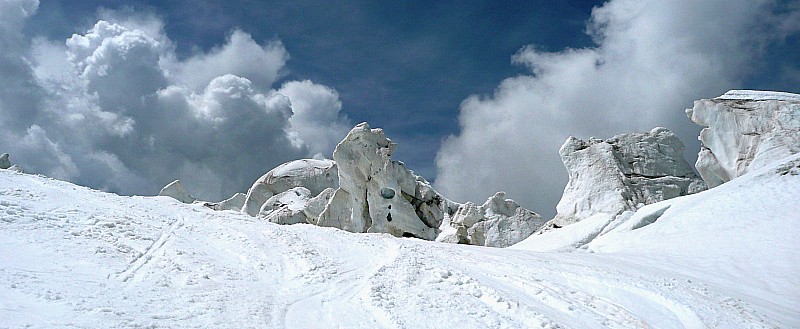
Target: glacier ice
{"x": 378, "y": 194}
{"x": 315, "y": 175}
{"x": 745, "y": 130}
{"x": 363, "y": 190}
{"x": 5, "y": 163}
{"x": 286, "y": 207}
{"x": 499, "y": 222}
{"x": 235, "y": 202}
{"x": 622, "y": 174}
{"x": 176, "y": 191}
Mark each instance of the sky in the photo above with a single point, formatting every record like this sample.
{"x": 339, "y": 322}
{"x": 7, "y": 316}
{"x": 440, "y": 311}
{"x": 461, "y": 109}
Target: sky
{"x": 126, "y": 96}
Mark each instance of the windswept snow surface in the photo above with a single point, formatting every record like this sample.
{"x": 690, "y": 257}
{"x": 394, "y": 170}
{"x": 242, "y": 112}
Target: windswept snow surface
{"x": 74, "y": 257}
{"x": 758, "y": 95}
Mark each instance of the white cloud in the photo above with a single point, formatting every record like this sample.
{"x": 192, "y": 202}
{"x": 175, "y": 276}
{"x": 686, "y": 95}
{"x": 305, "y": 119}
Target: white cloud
{"x": 37, "y": 144}
{"x": 14, "y": 12}
{"x": 240, "y": 55}
{"x": 651, "y": 60}
{"x": 113, "y": 108}
{"x": 20, "y": 96}
{"x": 316, "y": 115}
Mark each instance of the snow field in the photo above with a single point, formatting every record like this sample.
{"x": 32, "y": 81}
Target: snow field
{"x": 74, "y": 257}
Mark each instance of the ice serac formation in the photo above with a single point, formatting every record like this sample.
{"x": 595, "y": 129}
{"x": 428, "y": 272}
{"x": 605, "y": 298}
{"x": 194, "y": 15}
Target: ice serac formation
{"x": 499, "y": 222}
{"x": 363, "y": 190}
{"x": 176, "y": 191}
{"x": 378, "y": 194}
{"x": 236, "y": 202}
{"x": 286, "y": 207}
{"x": 5, "y": 163}
{"x": 314, "y": 175}
{"x": 622, "y": 173}
{"x": 745, "y": 130}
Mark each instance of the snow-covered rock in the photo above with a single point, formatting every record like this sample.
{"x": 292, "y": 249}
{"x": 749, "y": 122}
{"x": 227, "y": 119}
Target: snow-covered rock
{"x": 176, "y": 191}
{"x": 377, "y": 194}
{"x": 5, "y": 163}
{"x": 499, "y": 222}
{"x": 315, "y": 175}
{"x": 236, "y": 202}
{"x": 623, "y": 173}
{"x": 745, "y": 130}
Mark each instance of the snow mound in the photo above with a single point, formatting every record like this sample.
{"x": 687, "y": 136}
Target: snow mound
{"x": 743, "y": 131}
{"x": 569, "y": 238}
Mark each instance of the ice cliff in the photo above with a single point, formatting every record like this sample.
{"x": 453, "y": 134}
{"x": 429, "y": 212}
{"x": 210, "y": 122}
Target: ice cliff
{"x": 745, "y": 130}
{"x": 622, "y": 173}
{"x": 378, "y": 194}
{"x": 630, "y": 181}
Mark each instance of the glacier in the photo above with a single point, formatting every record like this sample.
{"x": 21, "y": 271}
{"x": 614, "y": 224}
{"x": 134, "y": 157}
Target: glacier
{"x": 668, "y": 254}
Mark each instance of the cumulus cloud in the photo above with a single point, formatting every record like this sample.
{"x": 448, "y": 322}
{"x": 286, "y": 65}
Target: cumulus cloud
{"x": 113, "y": 107}
{"x": 240, "y": 55}
{"x": 316, "y": 122}
{"x": 651, "y": 59}
{"x": 20, "y": 96}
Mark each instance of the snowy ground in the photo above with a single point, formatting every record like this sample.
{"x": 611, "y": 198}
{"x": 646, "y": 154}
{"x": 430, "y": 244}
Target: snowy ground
{"x": 74, "y": 257}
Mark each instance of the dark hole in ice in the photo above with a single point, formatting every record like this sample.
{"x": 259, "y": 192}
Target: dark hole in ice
{"x": 387, "y": 193}
{"x": 389, "y": 217}
{"x": 390, "y": 206}
{"x": 409, "y": 235}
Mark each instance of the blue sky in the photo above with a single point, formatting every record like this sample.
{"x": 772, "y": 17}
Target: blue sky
{"x": 479, "y": 94}
{"x": 417, "y": 58}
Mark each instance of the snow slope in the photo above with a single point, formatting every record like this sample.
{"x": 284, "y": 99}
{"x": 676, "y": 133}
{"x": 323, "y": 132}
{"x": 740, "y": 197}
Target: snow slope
{"x": 74, "y": 257}
{"x": 743, "y": 235}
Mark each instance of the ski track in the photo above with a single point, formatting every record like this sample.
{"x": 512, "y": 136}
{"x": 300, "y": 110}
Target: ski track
{"x": 73, "y": 257}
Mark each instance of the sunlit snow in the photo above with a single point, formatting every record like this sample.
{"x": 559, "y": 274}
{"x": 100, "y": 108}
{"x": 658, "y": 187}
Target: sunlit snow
{"x": 75, "y": 257}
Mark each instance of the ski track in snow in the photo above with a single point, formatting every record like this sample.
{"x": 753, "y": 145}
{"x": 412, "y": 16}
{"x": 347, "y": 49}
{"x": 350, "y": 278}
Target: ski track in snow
{"x": 74, "y": 257}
